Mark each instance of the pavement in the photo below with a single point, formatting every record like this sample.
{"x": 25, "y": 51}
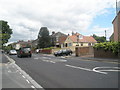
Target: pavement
{"x": 13, "y": 77}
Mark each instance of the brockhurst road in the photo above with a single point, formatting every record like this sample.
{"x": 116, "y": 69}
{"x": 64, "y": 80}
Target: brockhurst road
{"x": 60, "y": 72}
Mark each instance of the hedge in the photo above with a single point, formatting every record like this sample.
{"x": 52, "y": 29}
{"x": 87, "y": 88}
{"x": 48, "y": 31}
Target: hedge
{"x": 111, "y": 46}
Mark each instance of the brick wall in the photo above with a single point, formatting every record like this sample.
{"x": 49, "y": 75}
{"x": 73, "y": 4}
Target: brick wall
{"x": 84, "y": 51}
{"x": 49, "y": 51}
{"x": 104, "y": 54}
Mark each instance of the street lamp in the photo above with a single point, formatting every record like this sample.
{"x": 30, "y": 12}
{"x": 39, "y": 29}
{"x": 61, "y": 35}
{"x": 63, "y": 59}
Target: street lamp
{"x": 77, "y": 40}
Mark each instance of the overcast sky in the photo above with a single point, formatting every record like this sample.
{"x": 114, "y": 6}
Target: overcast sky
{"x": 87, "y": 17}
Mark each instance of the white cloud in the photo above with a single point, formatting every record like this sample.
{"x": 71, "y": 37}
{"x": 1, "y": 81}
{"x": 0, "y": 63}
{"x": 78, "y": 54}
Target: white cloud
{"x": 26, "y": 17}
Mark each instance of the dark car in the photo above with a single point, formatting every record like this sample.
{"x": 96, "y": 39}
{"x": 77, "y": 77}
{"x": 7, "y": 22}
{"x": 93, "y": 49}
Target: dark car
{"x": 64, "y": 52}
{"x": 69, "y": 51}
{"x": 24, "y": 51}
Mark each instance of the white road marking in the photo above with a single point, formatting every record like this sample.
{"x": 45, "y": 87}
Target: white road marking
{"x": 36, "y": 58}
{"x": 112, "y": 69}
{"x": 61, "y": 60}
{"x": 9, "y": 71}
{"x": 45, "y": 60}
{"x": 23, "y": 76}
{"x": 52, "y": 62}
{"x": 94, "y": 69}
{"x": 86, "y": 69}
{"x": 32, "y": 86}
{"x": 78, "y": 67}
{"x": 46, "y": 57}
{"x": 49, "y": 61}
{"x": 27, "y": 81}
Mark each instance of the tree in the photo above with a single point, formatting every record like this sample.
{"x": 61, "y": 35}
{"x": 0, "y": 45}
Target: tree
{"x": 99, "y": 39}
{"x": 5, "y": 32}
{"x": 44, "y": 39}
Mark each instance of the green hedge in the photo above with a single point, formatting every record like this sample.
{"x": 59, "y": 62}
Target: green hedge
{"x": 109, "y": 46}
{"x": 48, "y": 48}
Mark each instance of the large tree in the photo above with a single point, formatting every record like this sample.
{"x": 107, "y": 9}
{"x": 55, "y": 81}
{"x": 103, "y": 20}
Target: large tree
{"x": 5, "y": 32}
{"x": 44, "y": 38}
{"x": 99, "y": 39}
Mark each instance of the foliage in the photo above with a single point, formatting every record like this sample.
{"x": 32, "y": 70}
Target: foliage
{"x": 5, "y": 33}
{"x": 48, "y": 48}
{"x": 44, "y": 38}
{"x": 99, "y": 39}
{"x": 109, "y": 46}
{"x": 8, "y": 48}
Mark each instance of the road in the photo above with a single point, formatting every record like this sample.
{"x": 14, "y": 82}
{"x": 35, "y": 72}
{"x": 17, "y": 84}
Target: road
{"x": 60, "y": 72}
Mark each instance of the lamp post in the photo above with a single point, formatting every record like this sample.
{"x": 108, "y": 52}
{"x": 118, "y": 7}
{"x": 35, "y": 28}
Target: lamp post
{"x": 77, "y": 48}
{"x": 77, "y": 40}
{"x": 105, "y": 36}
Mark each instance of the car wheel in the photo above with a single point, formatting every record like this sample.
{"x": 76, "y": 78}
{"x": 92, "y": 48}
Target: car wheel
{"x": 20, "y": 56}
{"x": 17, "y": 55}
{"x": 30, "y": 55}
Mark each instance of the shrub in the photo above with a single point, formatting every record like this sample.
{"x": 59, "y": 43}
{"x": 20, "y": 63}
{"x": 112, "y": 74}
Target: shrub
{"x": 109, "y": 46}
{"x": 48, "y": 48}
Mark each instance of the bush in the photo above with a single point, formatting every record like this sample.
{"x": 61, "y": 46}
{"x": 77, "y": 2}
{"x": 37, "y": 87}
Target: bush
{"x": 109, "y": 46}
{"x": 48, "y": 48}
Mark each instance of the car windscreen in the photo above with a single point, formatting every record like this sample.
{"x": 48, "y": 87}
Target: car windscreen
{"x": 26, "y": 49}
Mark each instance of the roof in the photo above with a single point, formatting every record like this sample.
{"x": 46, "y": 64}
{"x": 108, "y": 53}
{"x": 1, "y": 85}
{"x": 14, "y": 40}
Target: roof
{"x": 116, "y": 16}
{"x": 83, "y": 39}
{"x": 58, "y": 34}
{"x": 62, "y": 39}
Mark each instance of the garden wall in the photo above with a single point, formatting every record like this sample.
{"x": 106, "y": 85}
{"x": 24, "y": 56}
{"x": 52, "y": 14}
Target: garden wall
{"x": 48, "y": 51}
{"x": 84, "y": 51}
{"x": 100, "y": 53}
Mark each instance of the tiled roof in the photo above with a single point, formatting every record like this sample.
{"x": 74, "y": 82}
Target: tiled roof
{"x": 62, "y": 39}
{"x": 83, "y": 39}
{"x": 58, "y": 34}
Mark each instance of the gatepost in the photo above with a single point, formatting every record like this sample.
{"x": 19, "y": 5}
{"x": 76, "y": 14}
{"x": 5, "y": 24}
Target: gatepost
{"x": 77, "y": 52}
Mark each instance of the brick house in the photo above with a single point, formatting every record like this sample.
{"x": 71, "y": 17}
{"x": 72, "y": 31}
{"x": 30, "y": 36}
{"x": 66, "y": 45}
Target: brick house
{"x": 116, "y": 26}
{"x": 55, "y": 37}
{"x": 22, "y": 43}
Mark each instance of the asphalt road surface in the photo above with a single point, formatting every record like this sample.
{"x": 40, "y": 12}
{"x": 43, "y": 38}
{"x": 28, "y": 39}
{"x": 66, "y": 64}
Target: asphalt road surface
{"x": 60, "y": 72}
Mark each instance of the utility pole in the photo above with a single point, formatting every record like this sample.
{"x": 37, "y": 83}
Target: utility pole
{"x": 105, "y": 35}
{"x": 116, "y": 8}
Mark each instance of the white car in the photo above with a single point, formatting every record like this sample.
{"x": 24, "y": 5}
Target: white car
{"x": 12, "y": 52}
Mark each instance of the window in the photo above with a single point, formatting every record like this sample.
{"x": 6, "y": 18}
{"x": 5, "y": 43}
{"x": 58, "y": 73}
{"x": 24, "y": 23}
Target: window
{"x": 80, "y": 37}
{"x": 81, "y": 44}
{"x": 89, "y": 44}
{"x": 70, "y": 44}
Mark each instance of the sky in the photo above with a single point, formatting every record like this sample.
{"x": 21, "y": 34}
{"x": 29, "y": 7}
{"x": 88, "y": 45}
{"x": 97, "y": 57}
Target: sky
{"x": 86, "y": 17}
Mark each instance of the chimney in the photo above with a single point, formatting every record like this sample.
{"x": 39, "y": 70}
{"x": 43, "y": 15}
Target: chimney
{"x": 72, "y": 33}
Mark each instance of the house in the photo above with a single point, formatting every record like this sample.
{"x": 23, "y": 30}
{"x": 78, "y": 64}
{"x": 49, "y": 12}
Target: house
{"x": 116, "y": 27}
{"x": 34, "y": 43}
{"x": 55, "y": 37}
{"x": 22, "y": 43}
{"x": 78, "y": 40}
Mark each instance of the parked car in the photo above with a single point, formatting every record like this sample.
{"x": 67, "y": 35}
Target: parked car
{"x": 63, "y": 52}
{"x": 24, "y": 51}
{"x": 69, "y": 51}
{"x": 12, "y": 52}
{"x": 2, "y": 51}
